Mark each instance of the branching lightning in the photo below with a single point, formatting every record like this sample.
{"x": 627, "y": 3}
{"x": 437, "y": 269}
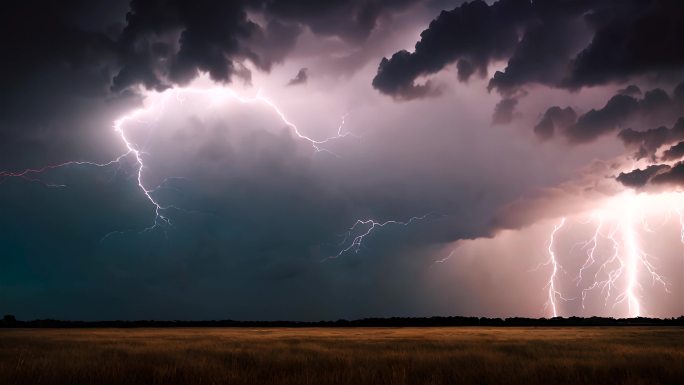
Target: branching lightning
{"x": 361, "y": 229}
{"x": 217, "y": 95}
{"x": 30, "y": 173}
{"x": 618, "y": 273}
{"x": 553, "y": 292}
{"x": 132, "y": 150}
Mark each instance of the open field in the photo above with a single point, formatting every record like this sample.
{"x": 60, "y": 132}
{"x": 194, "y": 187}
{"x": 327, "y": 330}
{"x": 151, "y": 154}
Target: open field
{"x": 606, "y": 355}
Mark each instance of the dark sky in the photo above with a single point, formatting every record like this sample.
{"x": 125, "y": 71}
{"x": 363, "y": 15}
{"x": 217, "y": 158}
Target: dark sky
{"x": 305, "y": 159}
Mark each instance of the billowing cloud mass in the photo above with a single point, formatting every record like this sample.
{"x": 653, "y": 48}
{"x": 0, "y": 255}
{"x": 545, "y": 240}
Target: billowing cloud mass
{"x": 674, "y": 176}
{"x": 167, "y": 43}
{"x": 654, "y": 175}
{"x": 649, "y": 141}
{"x": 473, "y": 34}
{"x": 621, "y": 111}
{"x": 305, "y": 160}
{"x": 554, "y": 117}
{"x": 566, "y": 44}
{"x": 674, "y": 152}
{"x": 93, "y": 56}
{"x": 639, "y": 177}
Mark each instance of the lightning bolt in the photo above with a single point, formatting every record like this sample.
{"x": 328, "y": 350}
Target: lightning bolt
{"x": 681, "y": 224}
{"x": 553, "y": 292}
{"x": 633, "y": 255}
{"x": 361, "y": 229}
{"x": 618, "y": 275}
{"x": 591, "y": 251}
{"x": 217, "y": 96}
{"x": 220, "y": 94}
{"x": 29, "y": 174}
{"x": 448, "y": 257}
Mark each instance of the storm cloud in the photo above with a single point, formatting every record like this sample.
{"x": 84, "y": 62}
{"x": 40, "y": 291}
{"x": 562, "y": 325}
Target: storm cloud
{"x": 620, "y": 111}
{"x": 96, "y": 56}
{"x": 555, "y": 43}
{"x": 648, "y": 142}
{"x": 225, "y": 159}
{"x": 654, "y": 176}
{"x": 639, "y": 177}
{"x": 473, "y": 34}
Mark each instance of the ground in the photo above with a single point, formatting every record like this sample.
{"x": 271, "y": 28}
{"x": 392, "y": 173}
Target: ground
{"x": 568, "y": 355}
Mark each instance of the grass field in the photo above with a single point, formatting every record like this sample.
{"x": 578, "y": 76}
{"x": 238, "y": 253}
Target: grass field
{"x": 627, "y": 355}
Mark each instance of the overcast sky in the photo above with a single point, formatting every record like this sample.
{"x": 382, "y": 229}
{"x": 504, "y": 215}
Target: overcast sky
{"x": 307, "y": 160}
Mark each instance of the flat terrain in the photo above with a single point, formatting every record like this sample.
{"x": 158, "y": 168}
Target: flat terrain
{"x": 606, "y": 355}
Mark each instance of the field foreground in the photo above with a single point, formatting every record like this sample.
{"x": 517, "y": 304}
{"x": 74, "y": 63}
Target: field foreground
{"x": 606, "y": 355}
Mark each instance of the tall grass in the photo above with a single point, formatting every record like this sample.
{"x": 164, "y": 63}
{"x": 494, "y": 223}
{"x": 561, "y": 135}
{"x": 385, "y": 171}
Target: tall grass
{"x": 627, "y": 355}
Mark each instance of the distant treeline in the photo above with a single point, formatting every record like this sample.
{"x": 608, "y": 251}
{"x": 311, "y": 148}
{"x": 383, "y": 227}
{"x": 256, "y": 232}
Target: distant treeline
{"x": 11, "y": 321}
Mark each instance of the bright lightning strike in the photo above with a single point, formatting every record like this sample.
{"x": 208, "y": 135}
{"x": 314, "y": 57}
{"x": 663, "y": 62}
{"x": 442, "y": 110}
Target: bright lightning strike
{"x": 614, "y": 253}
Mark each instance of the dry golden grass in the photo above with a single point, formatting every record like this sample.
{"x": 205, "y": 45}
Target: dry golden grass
{"x": 464, "y": 355}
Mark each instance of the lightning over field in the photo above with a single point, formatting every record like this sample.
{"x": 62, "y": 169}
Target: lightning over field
{"x": 617, "y": 265}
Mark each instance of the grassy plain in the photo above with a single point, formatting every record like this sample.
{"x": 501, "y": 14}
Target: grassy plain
{"x": 318, "y": 356}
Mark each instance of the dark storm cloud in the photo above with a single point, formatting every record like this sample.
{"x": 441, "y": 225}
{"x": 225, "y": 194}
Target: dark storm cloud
{"x": 617, "y": 111}
{"x": 566, "y": 44}
{"x": 639, "y": 177}
{"x": 654, "y": 176}
{"x": 275, "y": 41}
{"x": 547, "y": 45}
{"x": 620, "y": 111}
{"x": 301, "y": 77}
{"x": 71, "y": 65}
{"x": 674, "y": 152}
{"x": 216, "y": 36}
{"x": 630, "y": 90}
{"x": 554, "y": 117}
{"x": 631, "y": 38}
{"x": 158, "y": 43}
{"x": 210, "y": 37}
{"x": 473, "y": 34}
{"x": 673, "y": 176}
{"x": 648, "y": 142}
